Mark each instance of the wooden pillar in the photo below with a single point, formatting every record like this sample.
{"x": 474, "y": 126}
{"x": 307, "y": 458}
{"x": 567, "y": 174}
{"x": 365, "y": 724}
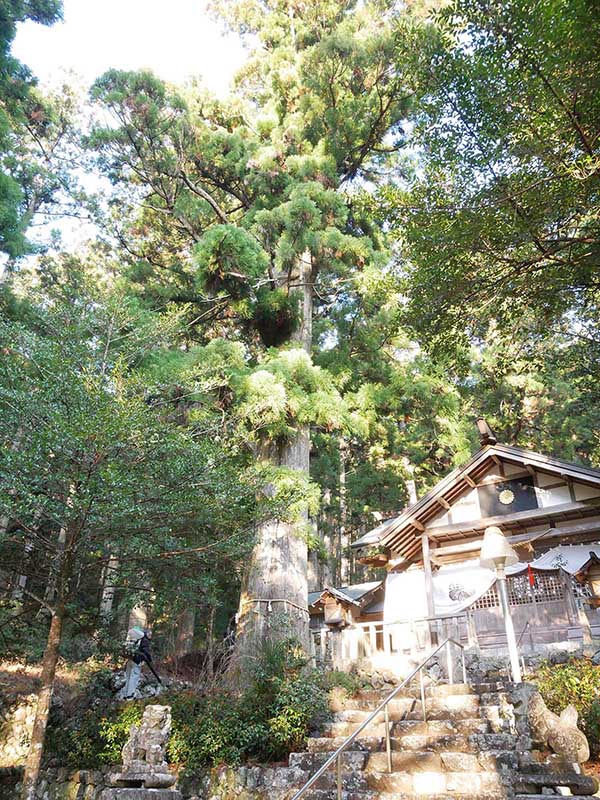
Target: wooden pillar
{"x": 471, "y": 629}
{"x": 428, "y": 586}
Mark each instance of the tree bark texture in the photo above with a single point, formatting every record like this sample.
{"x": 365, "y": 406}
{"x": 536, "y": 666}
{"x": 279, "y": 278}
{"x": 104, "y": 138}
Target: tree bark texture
{"x": 108, "y": 587}
{"x": 36, "y": 748}
{"x": 343, "y": 544}
{"x": 63, "y": 567}
{"x": 273, "y": 602}
{"x": 186, "y": 626}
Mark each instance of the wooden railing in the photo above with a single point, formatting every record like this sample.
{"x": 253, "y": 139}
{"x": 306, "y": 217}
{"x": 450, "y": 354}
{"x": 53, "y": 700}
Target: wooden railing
{"x": 380, "y": 643}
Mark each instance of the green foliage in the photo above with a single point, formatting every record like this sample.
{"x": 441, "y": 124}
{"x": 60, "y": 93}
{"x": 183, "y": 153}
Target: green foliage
{"x": 91, "y": 737}
{"x": 578, "y": 683}
{"x": 229, "y": 260}
{"x": 271, "y": 718}
{"x": 20, "y": 109}
{"x": 89, "y": 445}
{"x": 21, "y": 636}
{"x": 502, "y": 215}
{"x": 347, "y": 681}
{"x": 275, "y": 315}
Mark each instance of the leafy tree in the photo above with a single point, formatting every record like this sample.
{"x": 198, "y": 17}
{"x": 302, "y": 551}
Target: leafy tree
{"x": 23, "y": 112}
{"x": 92, "y": 467}
{"x": 501, "y": 215}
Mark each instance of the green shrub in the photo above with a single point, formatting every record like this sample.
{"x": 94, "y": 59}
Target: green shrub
{"x": 273, "y": 716}
{"x": 344, "y": 680}
{"x": 576, "y": 682}
{"x": 92, "y": 737}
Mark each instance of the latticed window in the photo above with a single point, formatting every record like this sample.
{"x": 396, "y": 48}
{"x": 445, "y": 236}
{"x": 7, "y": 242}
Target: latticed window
{"x": 548, "y": 587}
{"x": 488, "y": 600}
{"x": 581, "y": 591}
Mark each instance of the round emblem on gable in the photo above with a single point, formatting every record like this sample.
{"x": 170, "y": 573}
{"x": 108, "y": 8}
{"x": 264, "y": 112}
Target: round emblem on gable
{"x": 506, "y": 497}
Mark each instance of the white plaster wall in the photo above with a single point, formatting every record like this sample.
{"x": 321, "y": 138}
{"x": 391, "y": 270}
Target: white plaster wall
{"x": 583, "y": 492}
{"x": 466, "y": 507}
{"x": 554, "y": 497}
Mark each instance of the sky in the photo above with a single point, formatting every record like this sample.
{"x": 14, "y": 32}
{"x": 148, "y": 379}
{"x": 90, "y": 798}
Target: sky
{"x": 176, "y": 39}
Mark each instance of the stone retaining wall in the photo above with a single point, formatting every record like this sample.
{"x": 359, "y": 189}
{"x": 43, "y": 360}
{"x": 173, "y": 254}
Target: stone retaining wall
{"x": 16, "y": 723}
{"x": 56, "y": 784}
{"x": 224, "y": 783}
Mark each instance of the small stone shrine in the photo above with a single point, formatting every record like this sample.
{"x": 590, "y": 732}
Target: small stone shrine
{"x": 145, "y": 774}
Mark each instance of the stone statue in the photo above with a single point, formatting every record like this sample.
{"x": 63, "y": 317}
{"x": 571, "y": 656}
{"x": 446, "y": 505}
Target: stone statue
{"x": 144, "y": 764}
{"x": 561, "y": 734}
{"x": 147, "y": 743}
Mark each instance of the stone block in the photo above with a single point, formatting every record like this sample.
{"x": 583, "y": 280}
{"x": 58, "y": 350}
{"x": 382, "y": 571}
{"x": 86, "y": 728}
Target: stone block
{"x": 428, "y": 783}
{"x": 140, "y": 794}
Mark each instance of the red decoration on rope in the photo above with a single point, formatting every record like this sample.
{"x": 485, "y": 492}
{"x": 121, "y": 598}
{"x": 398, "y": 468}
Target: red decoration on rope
{"x": 531, "y": 576}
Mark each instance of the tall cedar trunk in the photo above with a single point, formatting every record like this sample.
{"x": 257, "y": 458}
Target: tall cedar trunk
{"x": 210, "y": 644}
{"x": 186, "y": 626}
{"x": 273, "y": 602}
{"x": 36, "y": 747}
{"x": 344, "y": 561}
{"x": 108, "y": 587}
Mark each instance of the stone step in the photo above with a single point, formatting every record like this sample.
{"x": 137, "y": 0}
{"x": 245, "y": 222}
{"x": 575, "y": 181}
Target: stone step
{"x": 330, "y": 794}
{"x": 370, "y": 698}
{"x": 545, "y": 797}
{"x": 411, "y": 761}
{"x": 435, "y": 690}
{"x": 374, "y": 696}
{"x": 532, "y": 778}
{"x": 427, "y": 782}
{"x": 455, "y": 706}
{"x": 432, "y": 727}
{"x": 454, "y": 742}
{"x": 498, "y": 794}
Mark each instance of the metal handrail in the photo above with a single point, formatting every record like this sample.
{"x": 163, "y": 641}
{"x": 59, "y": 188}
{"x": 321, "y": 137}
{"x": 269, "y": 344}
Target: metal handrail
{"x": 527, "y": 624}
{"x": 383, "y": 706}
{"x": 523, "y": 631}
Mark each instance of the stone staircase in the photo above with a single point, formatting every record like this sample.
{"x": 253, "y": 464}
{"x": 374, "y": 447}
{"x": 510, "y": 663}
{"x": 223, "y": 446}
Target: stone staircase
{"x": 475, "y": 744}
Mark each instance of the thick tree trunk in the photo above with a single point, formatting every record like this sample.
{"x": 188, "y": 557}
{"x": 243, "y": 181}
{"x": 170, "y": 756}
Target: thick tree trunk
{"x": 50, "y": 592}
{"x": 36, "y": 748}
{"x": 63, "y": 566}
{"x": 273, "y": 602}
{"x": 344, "y": 561}
{"x": 186, "y": 625}
{"x": 27, "y": 548}
{"x": 210, "y": 645}
{"x": 108, "y": 588}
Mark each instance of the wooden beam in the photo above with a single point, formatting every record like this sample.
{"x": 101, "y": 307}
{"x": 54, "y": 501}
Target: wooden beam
{"x": 428, "y": 575}
{"x": 531, "y": 517}
{"x": 470, "y": 481}
{"x": 443, "y": 502}
{"x": 569, "y": 483}
{"x": 567, "y": 532}
{"x": 418, "y": 525}
{"x": 490, "y": 481}
{"x": 454, "y": 549}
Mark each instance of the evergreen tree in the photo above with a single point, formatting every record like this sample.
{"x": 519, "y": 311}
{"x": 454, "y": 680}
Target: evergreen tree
{"x": 244, "y": 209}
{"x": 23, "y": 113}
